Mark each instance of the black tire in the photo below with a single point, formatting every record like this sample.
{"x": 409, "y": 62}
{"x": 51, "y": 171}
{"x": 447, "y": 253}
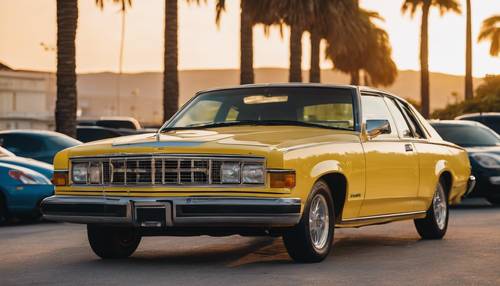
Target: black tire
{"x": 4, "y": 216}
{"x": 298, "y": 241}
{"x": 433, "y": 226}
{"x": 494, "y": 201}
{"x": 113, "y": 242}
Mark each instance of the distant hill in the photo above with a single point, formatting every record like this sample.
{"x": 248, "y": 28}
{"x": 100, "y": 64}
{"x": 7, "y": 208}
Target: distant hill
{"x": 141, "y": 93}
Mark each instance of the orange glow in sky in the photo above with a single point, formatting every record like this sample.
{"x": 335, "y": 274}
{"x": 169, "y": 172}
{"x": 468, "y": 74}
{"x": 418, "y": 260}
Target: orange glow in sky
{"x": 26, "y": 23}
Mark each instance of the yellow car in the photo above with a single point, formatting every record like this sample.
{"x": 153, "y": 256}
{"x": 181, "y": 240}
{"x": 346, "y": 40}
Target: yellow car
{"x": 291, "y": 160}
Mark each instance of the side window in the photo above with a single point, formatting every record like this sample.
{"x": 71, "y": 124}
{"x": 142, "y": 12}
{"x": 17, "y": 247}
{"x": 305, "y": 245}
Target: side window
{"x": 403, "y": 128}
{"x": 414, "y": 124}
{"x": 374, "y": 108}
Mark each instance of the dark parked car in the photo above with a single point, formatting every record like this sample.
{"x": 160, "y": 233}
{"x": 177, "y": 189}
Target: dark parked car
{"x": 38, "y": 166}
{"x": 36, "y": 144}
{"x": 490, "y": 119}
{"x": 114, "y": 122}
{"x": 483, "y": 146}
{"x": 94, "y": 133}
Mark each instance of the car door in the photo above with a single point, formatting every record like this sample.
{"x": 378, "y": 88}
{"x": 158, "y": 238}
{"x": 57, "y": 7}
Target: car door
{"x": 392, "y": 167}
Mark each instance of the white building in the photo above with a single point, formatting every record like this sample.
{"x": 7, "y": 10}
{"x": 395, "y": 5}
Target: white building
{"x": 26, "y": 99}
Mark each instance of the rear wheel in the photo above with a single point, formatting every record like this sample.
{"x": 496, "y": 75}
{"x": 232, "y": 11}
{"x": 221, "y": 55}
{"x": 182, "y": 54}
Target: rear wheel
{"x": 311, "y": 240}
{"x": 435, "y": 224}
{"x": 113, "y": 242}
{"x": 494, "y": 201}
{"x": 3, "y": 210}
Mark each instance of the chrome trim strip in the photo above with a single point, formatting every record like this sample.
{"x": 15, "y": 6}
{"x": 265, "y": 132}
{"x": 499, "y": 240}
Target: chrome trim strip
{"x": 173, "y": 155}
{"x": 287, "y": 219}
{"x": 280, "y": 170}
{"x": 381, "y": 216}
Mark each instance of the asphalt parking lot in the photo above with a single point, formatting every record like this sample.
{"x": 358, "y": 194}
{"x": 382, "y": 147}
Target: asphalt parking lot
{"x": 392, "y": 254}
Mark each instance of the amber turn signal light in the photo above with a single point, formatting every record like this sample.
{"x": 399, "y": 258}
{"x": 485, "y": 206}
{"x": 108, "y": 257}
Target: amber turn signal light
{"x": 60, "y": 178}
{"x": 282, "y": 179}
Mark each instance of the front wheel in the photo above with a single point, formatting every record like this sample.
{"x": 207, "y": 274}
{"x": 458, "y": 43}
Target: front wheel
{"x": 311, "y": 240}
{"x": 113, "y": 242}
{"x": 3, "y": 210}
{"x": 435, "y": 224}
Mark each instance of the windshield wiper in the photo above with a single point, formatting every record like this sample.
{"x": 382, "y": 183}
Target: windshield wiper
{"x": 255, "y": 122}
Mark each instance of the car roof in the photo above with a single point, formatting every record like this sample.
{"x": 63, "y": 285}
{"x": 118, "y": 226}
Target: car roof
{"x": 479, "y": 114}
{"x": 32, "y": 131}
{"x": 455, "y": 122}
{"x": 361, "y": 88}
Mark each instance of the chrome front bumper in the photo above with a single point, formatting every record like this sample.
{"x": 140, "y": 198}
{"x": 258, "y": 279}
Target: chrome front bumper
{"x": 174, "y": 211}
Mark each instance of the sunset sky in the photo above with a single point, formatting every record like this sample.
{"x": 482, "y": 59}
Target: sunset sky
{"x": 26, "y": 23}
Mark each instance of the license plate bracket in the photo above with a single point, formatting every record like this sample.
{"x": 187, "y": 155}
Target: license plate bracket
{"x": 153, "y": 215}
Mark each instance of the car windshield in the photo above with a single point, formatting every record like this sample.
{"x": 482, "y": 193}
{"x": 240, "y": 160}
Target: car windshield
{"x": 468, "y": 135}
{"x": 304, "y": 106}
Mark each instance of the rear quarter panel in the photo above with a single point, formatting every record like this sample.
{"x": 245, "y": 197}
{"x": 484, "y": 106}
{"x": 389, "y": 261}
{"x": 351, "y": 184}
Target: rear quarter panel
{"x": 435, "y": 158}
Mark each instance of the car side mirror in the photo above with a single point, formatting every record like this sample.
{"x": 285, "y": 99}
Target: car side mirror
{"x": 376, "y": 127}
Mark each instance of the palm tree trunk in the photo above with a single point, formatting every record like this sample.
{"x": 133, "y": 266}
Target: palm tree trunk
{"x": 120, "y": 61}
{"x": 66, "y": 102}
{"x": 314, "y": 71}
{"x": 424, "y": 60}
{"x": 246, "y": 47}
{"x": 469, "y": 93}
{"x": 355, "y": 77}
{"x": 295, "y": 72}
{"x": 170, "y": 72}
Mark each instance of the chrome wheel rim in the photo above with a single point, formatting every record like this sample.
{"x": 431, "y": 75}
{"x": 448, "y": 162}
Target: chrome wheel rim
{"x": 319, "y": 222}
{"x": 440, "y": 208}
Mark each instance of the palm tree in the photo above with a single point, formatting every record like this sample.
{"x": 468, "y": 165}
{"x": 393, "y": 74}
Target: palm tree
{"x": 411, "y": 6}
{"x": 330, "y": 17}
{"x": 66, "y": 102}
{"x": 252, "y": 12}
{"x": 170, "y": 60}
{"x": 469, "y": 89}
{"x": 297, "y": 14}
{"x": 371, "y": 53}
{"x": 123, "y": 8}
{"x": 490, "y": 31}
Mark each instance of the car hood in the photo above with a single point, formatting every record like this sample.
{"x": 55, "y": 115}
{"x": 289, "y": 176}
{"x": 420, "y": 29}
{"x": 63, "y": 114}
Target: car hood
{"x": 487, "y": 149}
{"x": 234, "y": 139}
{"x": 40, "y": 167}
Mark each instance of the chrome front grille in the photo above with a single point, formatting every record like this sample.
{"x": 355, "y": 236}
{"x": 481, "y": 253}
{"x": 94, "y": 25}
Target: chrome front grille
{"x": 163, "y": 169}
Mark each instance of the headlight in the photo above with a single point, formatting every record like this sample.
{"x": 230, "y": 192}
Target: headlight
{"x": 94, "y": 173}
{"x": 487, "y": 160}
{"x": 28, "y": 179}
{"x": 230, "y": 173}
{"x": 79, "y": 173}
{"x": 253, "y": 174}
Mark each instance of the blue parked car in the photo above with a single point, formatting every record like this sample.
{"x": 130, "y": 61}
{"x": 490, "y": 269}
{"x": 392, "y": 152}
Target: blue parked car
{"x": 21, "y": 191}
{"x": 36, "y": 144}
{"x": 40, "y": 167}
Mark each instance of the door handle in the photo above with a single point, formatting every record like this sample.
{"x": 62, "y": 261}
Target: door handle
{"x": 408, "y": 147}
